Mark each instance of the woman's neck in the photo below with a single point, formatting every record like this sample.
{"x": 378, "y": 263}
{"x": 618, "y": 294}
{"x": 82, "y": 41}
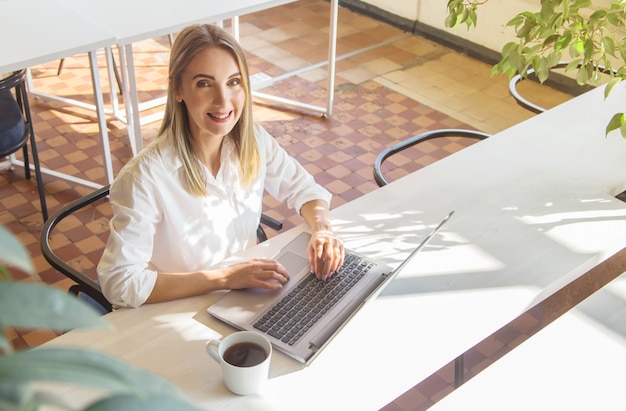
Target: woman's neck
{"x": 209, "y": 151}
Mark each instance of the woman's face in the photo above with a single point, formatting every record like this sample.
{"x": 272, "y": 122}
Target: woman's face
{"x": 213, "y": 92}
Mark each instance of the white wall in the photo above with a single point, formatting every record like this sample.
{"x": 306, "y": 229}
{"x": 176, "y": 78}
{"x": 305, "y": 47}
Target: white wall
{"x": 490, "y": 31}
{"x": 492, "y": 17}
{"x": 404, "y": 8}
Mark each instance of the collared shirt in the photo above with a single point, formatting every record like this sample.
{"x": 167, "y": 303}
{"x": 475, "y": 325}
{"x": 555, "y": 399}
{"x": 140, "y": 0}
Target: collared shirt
{"x": 158, "y": 226}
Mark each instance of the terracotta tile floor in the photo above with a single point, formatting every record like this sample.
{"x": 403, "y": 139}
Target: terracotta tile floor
{"x": 404, "y": 86}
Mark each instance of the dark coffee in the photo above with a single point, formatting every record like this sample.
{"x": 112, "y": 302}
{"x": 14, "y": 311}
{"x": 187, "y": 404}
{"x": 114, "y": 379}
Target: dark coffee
{"x": 245, "y": 354}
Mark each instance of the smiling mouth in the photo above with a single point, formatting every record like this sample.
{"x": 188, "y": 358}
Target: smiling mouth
{"x": 220, "y": 116}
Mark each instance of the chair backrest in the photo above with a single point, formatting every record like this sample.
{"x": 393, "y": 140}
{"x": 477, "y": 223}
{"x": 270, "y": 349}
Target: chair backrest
{"x": 13, "y": 134}
{"x": 420, "y": 138}
{"x": 15, "y": 121}
{"x": 84, "y": 283}
{"x": 527, "y": 104}
{"x": 16, "y": 127}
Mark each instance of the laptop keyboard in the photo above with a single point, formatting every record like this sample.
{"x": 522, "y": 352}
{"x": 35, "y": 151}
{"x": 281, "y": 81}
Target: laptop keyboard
{"x": 290, "y": 318}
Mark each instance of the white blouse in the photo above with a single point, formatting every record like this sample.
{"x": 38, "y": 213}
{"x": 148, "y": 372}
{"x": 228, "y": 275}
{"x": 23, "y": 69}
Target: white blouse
{"x": 158, "y": 226}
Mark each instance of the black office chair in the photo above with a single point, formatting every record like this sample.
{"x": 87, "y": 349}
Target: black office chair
{"x": 528, "y": 105}
{"x": 420, "y": 138}
{"x": 16, "y": 128}
{"x": 86, "y": 287}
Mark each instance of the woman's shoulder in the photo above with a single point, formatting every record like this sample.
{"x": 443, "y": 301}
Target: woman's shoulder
{"x": 264, "y": 139}
{"x": 259, "y": 132}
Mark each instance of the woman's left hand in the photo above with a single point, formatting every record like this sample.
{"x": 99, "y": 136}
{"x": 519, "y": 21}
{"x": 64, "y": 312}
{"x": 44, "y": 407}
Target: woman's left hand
{"x": 326, "y": 253}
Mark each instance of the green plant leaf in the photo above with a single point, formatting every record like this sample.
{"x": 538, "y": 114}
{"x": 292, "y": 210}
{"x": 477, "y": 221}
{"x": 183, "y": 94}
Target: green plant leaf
{"x": 554, "y": 58}
{"x": 576, "y": 48}
{"x": 451, "y": 20}
{"x": 472, "y": 18}
{"x": 555, "y": 21}
{"x": 547, "y": 10}
{"x": 14, "y": 395}
{"x": 523, "y": 32}
{"x": 609, "y": 45}
{"x": 152, "y": 403}
{"x": 20, "y": 396}
{"x": 82, "y": 367}
{"x": 515, "y": 61}
{"x": 590, "y": 34}
{"x": 4, "y": 273}
{"x": 31, "y": 305}
{"x": 613, "y": 19}
{"x": 543, "y": 70}
{"x": 610, "y": 85}
{"x": 582, "y": 76}
{"x": 617, "y": 121}
{"x": 13, "y": 253}
{"x": 598, "y": 14}
{"x": 563, "y": 41}
{"x": 589, "y": 49}
{"x": 515, "y": 21}
{"x": 573, "y": 65}
{"x": 5, "y": 345}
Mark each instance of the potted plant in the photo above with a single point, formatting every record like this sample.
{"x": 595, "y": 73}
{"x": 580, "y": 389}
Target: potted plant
{"x": 590, "y": 37}
{"x": 29, "y": 305}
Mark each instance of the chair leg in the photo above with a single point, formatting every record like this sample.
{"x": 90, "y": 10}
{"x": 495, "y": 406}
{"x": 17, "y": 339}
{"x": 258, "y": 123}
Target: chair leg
{"x": 117, "y": 75}
{"x": 42, "y": 192}
{"x": 26, "y": 161}
{"x": 60, "y": 66}
{"x": 260, "y": 234}
{"x": 33, "y": 146}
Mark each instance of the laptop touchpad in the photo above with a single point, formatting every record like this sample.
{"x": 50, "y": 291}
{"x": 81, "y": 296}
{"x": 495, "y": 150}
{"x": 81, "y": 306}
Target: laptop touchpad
{"x": 294, "y": 263}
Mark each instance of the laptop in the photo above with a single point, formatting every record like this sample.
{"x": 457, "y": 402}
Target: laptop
{"x": 304, "y": 316}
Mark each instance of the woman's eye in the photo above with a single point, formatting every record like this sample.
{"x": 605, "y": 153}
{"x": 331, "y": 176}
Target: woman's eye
{"x": 203, "y": 83}
{"x": 235, "y": 82}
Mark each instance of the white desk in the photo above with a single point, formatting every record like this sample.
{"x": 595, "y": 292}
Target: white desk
{"x": 135, "y": 21}
{"x": 39, "y": 31}
{"x": 534, "y": 211}
{"x": 576, "y": 363}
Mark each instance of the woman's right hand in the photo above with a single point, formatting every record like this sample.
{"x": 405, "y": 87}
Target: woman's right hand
{"x": 256, "y": 273}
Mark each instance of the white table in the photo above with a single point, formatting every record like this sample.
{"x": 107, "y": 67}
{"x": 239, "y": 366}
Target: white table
{"x": 534, "y": 211}
{"x": 39, "y": 31}
{"x": 138, "y": 20}
{"x": 576, "y": 363}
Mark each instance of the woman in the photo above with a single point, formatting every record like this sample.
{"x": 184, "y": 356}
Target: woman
{"x": 194, "y": 196}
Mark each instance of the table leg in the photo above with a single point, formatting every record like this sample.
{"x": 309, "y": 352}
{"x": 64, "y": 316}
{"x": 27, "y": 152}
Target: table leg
{"x": 127, "y": 101}
{"x": 459, "y": 371}
{"x": 112, "y": 82}
{"x": 332, "y": 56}
{"x": 102, "y": 125}
{"x": 132, "y": 100}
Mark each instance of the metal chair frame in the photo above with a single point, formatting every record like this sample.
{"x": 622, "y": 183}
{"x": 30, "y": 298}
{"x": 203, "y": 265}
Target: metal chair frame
{"x": 85, "y": 284}
{"x": 17, "y": 81}
{"x": 420, "y": 138}
{"x": 528, "y": 105}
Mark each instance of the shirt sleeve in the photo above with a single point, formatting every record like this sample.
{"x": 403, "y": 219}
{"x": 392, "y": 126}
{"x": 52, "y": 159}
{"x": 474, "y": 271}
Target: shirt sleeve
{"x": 124, "y": 272}
{"x": 286, "y": 179}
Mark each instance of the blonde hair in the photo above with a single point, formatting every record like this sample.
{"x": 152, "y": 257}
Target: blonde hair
{"x": 188, "y": 43}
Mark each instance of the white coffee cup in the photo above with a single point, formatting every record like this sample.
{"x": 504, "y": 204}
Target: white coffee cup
{"x": 246, "y": 368}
